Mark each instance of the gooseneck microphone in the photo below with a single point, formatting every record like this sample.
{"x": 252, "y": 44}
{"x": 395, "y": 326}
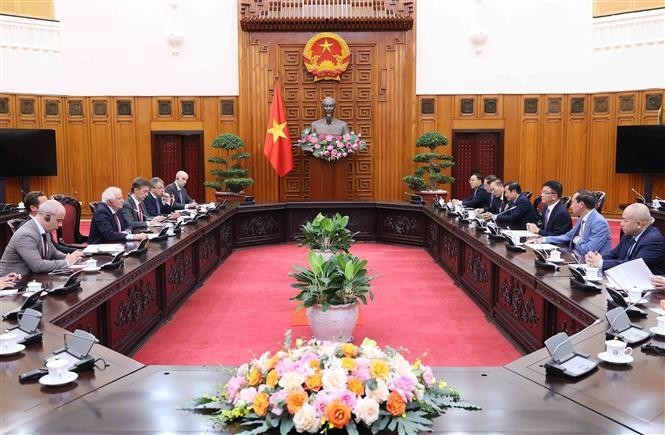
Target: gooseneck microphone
{"x": 618, "y": 315}
{"x": 505, "y": 211}
{"x": 558, "y": 346}
{"x": 639, "y": 196}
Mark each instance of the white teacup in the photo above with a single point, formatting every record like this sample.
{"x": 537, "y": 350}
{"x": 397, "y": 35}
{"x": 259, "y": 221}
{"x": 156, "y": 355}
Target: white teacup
{"x": 634, "y": 296}
{"x": 591, "y": 272}
{"x": 91, "y": 264}
{"x": 655, "y": 203}
{"x": 8, "y": 342}
{"x": 617, "y": 350}
{"x": 555, "y": 255}
{"x": 21, "y": 205}
{"x": 472, "y": 214}
{"x": 57, "y": 367}
{"x": 34, "y": 286}
{"x": 516, "y": 240}
{"x": 661, "y": 324}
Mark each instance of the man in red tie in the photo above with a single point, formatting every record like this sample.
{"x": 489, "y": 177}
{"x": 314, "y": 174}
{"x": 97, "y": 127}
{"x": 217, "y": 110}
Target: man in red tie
{"x": 133, "y": 210}
{"x": 108, "y": 225}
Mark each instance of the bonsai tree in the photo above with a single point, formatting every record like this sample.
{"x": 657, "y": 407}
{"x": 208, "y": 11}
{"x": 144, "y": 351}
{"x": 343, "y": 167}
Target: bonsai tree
{"x": 326, "y": 234}
{"x": 428, "y": 174}
{"x": 232, "y": 175}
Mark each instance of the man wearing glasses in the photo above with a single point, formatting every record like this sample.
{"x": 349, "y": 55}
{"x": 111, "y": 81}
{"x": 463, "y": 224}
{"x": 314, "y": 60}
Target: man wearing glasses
{"x": 640, "y": 240}
{"x": 555, "y": 219}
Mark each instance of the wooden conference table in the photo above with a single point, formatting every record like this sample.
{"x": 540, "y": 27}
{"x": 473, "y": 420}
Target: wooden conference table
{"x": 123, "y": 307}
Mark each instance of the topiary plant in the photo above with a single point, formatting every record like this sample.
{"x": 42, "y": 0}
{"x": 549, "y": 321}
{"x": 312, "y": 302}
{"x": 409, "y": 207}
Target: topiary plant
{"x": 428, "y": 174}
{"x": 232, "y": 176}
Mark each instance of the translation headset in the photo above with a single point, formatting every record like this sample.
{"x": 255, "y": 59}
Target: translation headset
{"x": 47, "y": 217}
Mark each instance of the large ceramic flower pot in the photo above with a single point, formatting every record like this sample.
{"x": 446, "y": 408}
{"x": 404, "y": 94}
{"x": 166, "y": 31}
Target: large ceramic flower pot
{"x": 334, "y": 324}
{"x": 326, "y": 254}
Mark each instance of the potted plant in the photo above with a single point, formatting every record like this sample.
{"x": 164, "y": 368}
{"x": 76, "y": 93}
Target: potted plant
{"x": 231, "y": 177}
{"x": 326, "y": 234}
{"x": 330, "y": 290}
{"x": 429, "y": 174}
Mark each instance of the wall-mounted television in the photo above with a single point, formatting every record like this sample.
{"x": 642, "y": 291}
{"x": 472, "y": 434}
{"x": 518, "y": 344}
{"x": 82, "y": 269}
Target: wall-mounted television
{"x": 27, "y": 152}
{"x": 640, "y": 149}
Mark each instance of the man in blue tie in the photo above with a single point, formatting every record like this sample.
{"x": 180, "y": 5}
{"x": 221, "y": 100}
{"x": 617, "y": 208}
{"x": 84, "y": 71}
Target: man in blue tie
{"x": 591, "y": 231}
{"x": 479, "y": 197}
{"x": 641, "y": 240}
{"x": 160, "y": 203}
{"x": 555, "y": 220}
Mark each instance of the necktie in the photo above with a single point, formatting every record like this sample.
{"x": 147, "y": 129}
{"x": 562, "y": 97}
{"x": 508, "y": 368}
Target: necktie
{"x": 630, "y": 250}
{"x": 581, "y": 234}
{"x": 180, "y": 195}
{"x": 159, "y": 208}
{"x": 138, "y": 207}
{"x": 546, "y": 216}
{"x": 117, "y": 221}
{"x": 44, "y": 246}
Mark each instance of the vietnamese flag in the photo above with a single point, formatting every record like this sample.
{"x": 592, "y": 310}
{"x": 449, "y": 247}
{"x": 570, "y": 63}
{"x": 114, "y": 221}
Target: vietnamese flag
{"x": 277, "y": 147}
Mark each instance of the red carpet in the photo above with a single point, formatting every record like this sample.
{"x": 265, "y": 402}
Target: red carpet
{"x": 243, "y": 310}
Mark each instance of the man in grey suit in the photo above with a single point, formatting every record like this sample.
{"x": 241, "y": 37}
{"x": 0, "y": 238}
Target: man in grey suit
{"x": 133, "y": 210}
{"x": 31, "y": 248}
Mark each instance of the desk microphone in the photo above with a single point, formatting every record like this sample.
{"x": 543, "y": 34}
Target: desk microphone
{"x": 558, "y": 346}
{"x": 639, "y": 196}
{"x": 505, "y": 211}
{"x": 624, "y": 310}
{"x": 629, "y": 332}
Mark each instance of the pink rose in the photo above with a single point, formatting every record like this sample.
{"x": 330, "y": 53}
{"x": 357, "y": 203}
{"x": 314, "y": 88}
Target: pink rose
{"x": 329, "y": 138}
{"x": 354, "y": 146}
{"x": 330, "y": 147}
{"x": 317, "y": 146}
{"x": 344, "y": 154}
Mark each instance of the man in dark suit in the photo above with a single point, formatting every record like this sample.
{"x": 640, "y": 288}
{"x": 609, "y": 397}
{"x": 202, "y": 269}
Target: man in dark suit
{"x": 133, "y": 210}
{"x": 179, "y": 193}
{"x": 555, "y": 218}
{"x": 641, "y": 240}
{"x": 160, "y": 203}
{"x": 31, "y": 250}
{"x": 479, "y": 197}
{"x": 497, "y": 201}
{"x": 520, "y": 211}
{"x": 108, "y": 225}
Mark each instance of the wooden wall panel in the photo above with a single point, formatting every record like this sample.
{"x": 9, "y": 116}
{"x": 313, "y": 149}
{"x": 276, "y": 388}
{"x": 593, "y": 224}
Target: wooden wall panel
{"x": 530, "y": 149}
{"x": 77, "y": 138}
{"x": 102, "y": 156}
{"x": 53, "y": 117}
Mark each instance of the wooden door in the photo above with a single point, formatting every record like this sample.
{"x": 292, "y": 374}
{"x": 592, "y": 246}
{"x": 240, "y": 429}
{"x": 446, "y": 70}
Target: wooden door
{"x": 172, "y": 152}
{"x": 479, "y": 151}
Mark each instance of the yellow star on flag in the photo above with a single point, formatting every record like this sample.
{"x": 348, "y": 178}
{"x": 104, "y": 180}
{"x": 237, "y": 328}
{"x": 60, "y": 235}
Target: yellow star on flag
{"x": 277, "y": 130}
{"x": 325, "y": 46}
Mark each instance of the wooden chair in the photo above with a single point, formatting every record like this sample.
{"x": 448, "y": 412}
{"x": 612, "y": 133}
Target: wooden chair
{"x": 565, "y": 200}
{"x": 93, "y": 206}
{"x": 15, "y": 224}
{"x": 69, "y": 234}
{"x": 600, "y": 200}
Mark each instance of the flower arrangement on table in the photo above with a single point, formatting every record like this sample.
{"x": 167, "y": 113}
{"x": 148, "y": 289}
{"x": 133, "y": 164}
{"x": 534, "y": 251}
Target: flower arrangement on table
{"x": 319, "y": 386}
{"x": 329, "y": 147}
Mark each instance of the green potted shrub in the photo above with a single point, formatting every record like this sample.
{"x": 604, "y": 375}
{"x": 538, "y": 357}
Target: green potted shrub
{"x": 428, "y": 175}
{"x": 231, "y": 177}
{"x": 331, "y": 290}
{"x": 328, "y": 234}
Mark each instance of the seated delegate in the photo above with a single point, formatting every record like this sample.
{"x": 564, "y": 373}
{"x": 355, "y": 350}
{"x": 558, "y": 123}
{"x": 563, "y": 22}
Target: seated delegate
{"x": 108, "y": 225}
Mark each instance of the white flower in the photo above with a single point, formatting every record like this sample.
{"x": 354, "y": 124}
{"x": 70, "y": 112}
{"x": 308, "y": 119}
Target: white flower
{"x": 372, "y": 352}
{"x": 247, "y": 395}
{"x": 402, "y": 366}
{"x": 305, "y": 420}
{"x": 334, "y": 380}
{"x": 291, "y": 381}
{"x": 367, "y": 410}
{"x": 380, "y": 394}
{"x": 243, "y": 370}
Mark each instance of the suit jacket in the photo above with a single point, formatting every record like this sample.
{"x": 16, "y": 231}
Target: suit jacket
{"x": 62, "y": 248}
{"x": 596, "y": 236}
{"x": 130, "y": 213}
{"x": 558, "y": 222}
{"x": 479, "y": 198}
{"x": 180, "y": 197}
{"x": 150, "y": 203}
{"x": 104, "y": 227}
{"x": 23, "y": 254}
{"x": 518, "y": 217}
{"x": 650, "y": 247}
{"x": 496, "y": 205}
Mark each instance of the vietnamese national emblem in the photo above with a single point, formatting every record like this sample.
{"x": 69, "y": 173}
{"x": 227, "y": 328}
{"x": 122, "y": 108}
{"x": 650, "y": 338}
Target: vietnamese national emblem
{"x": 326, "y": 56}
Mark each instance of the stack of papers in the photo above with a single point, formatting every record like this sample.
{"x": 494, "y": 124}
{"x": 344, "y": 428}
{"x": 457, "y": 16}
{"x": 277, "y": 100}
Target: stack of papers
{"x": 110, "y": 248}
{"x": 631, "y": 275}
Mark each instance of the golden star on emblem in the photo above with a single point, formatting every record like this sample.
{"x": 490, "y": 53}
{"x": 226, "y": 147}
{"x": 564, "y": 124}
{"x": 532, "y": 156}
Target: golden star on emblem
{"x": 325, "y": 45}
{"x": 277, "y": 130}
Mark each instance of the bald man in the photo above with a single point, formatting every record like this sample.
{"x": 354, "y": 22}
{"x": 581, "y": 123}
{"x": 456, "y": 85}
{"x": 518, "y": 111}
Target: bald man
{"x": 641, "y": 240}
{"x": 179, "y": 193}
{"x": 31, "y": 248}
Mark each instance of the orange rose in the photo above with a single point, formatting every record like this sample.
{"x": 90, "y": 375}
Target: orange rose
{"x": 315, "y": 364}
{"x": 338, "y": 414}
{"x": 348, "y": 363}
{"x": 272, "y": 378}
{"x": 349, "y": 349}
{"x": 395, "y": 405}
{"x": 260, "y": 404}
{"x": 254, "y": 377}
{"x": 379, "y": 369}
{"x": 356, "y": 386}
{"x": 272, "y": 362}
{"x": 313, "y": 382}
{"x": 295, "y": 400}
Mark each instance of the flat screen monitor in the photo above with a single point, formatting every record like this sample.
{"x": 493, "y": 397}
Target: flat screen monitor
{"x": 640, "y": 149}
{"x": 27, "y": 152}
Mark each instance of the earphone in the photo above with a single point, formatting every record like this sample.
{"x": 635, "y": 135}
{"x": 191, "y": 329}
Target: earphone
{"x": 47, "y": 217}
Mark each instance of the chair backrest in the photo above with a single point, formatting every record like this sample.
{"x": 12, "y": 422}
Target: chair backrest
{"x": 528, "y": 194}
{"x": 70, "y": 232}
{"x": 565, "y": 200}
{"x": 600, "y": 200}
{"x": 538, "y": 204}
{"x": 15, "y": 224}
{"x": 93, "y": 206}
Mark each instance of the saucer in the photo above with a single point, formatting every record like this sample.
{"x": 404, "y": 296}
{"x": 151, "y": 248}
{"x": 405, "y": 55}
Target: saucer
{"x": 596, "y": 279}
{"x": 91, "y": 269}
{"x": 17, "y": 349}
{"x": 559, "y": 260}
{"x": 657, "y": 331}
{"x": 625, "y": 360}
{"x": 50, "y": 382}
{"x": 27, "y": 293}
